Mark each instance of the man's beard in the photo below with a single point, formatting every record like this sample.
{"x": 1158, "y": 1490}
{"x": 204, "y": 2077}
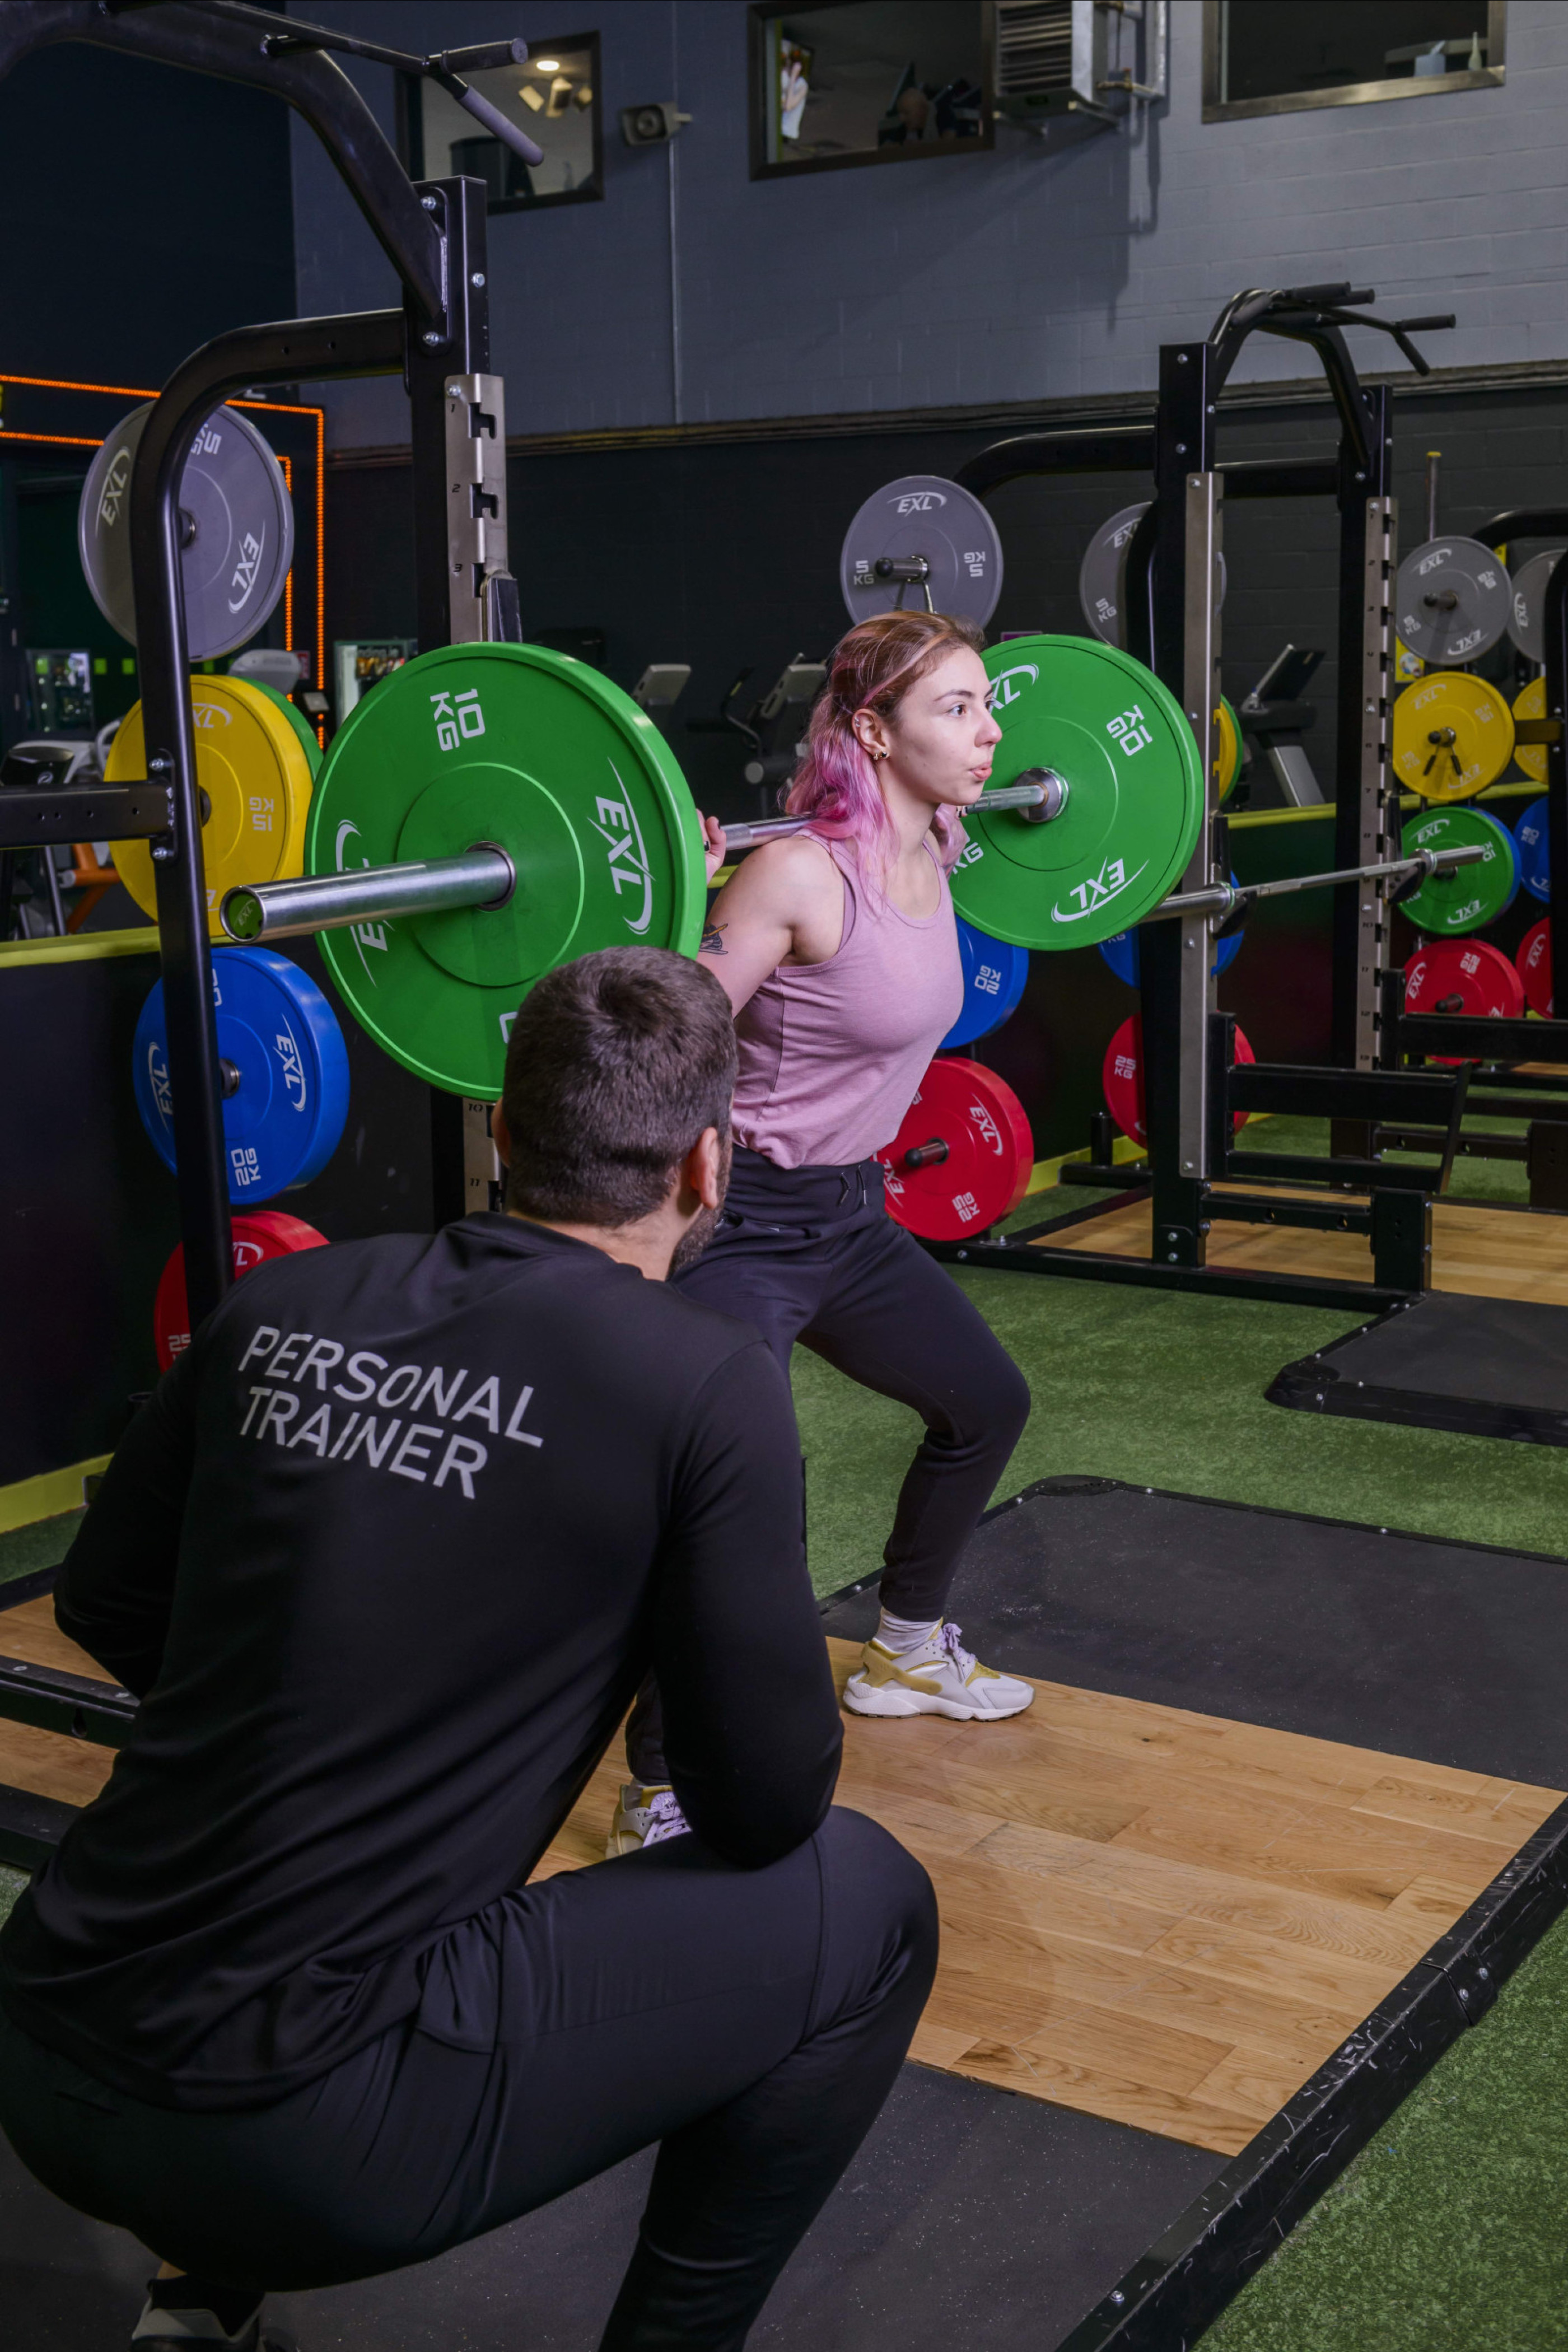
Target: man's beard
{"x": 704, "y": 1225}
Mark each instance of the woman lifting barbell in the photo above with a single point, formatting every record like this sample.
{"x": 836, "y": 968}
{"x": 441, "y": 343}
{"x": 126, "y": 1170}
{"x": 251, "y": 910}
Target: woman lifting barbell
{"x": 838, "y": 950}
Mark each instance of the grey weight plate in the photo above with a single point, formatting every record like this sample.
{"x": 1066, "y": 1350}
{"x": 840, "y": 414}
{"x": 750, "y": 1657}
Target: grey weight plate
{"x": 923, "y": 515}
{"x": 1453, "y": 601}
{"x": 240, "y": 530}
{"x": 1527, "y": 608}
{"x": 1103, "y": 570}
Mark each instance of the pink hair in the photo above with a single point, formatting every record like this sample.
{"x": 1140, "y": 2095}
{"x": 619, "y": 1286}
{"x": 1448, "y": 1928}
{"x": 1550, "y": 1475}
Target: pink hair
{"x": 871, "y": 668}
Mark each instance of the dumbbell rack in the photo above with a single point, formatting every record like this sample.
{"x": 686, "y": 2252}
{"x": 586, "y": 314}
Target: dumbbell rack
{"x": 439, "y": 341}
{"x": 1194, "y": 1087}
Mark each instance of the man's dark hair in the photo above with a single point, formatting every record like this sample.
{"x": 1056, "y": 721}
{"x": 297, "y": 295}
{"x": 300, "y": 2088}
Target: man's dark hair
{"x": 617, "y": 1062}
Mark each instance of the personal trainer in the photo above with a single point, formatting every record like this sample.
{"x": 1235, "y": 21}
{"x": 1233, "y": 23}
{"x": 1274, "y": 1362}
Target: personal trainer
{"x": 384, "y": 1558}
{"x": 838, "y": 950}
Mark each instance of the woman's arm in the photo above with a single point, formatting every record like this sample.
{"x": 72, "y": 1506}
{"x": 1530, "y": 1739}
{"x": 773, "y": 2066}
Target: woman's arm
{"x": 783, "y": 903}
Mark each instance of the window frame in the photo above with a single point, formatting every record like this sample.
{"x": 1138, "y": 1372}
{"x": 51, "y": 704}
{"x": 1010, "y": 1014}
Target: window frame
{"x": 411, "y": 131}
{"x": 761, "y": 12}
{"x": 1490, "y": 76}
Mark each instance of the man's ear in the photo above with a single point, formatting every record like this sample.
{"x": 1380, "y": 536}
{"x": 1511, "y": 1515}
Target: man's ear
{"x": 700, "y": 1170}
{"x": 501, "y": 1135}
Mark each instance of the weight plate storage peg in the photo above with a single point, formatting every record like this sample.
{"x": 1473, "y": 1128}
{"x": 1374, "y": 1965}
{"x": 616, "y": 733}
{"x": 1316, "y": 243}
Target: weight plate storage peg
{"x": 1116, "y": 737}
{"x": 963, "y": 1158}
{"x": 1532, "y": 848}
{"x": 1453, "y": 736}
{"x": 266, "y": 1234}
{"x": 1102, "y": 575}
{"x": 1122, "y": 1078}
{"x": 237, "y": 531}
{"x": 1529, "y": 702}
{"x": 1528, "y": 607}
{"x": 1453, "y": 600}
{"x": 1464, "y": 897}
{"x": 993, "y": 978}
{"x": 256, "y": 776}
{"x": 285, "y": 1071}
{"x": 1533, "y": 964}
{"x": 922, "y": 545}
{"x": 517, "y": 749}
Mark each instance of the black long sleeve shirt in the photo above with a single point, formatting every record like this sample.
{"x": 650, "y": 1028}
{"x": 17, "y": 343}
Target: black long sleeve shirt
{"x": 384, "y": 1558}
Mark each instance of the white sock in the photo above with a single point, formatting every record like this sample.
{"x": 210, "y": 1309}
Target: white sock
{"x": 900, "y": 1634}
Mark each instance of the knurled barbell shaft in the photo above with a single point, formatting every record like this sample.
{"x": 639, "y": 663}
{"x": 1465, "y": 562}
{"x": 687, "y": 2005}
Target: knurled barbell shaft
{"x": 1223, "y": 899}
{"x": 1046, "y": 791}
{"x": 483, "y": 877}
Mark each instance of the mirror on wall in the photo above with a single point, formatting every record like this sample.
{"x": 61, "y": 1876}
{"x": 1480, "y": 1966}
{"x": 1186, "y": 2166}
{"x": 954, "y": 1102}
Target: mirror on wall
{"x": 869, "y": 81}
{"x": 555, "y": 99}
{"x": 1277, "y": 56}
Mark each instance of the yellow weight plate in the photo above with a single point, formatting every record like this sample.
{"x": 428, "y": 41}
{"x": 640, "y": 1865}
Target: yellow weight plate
{"x": 1453, "y": 736}
{"x": 1406, "y": 663}
{"x": 1229, "y": 734}
{"x": 252, "y": 766}
{"x": 1531, "y": 704}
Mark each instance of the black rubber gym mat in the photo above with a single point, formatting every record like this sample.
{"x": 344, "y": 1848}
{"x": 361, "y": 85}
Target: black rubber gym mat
{"x": 1490, "y": 1366}
{"x": 1454, "y": 1653}
{"x": 969, "y": 2215}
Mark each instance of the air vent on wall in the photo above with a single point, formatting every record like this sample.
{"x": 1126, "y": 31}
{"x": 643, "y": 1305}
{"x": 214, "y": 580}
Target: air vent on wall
{"x": 1066, "y": 67}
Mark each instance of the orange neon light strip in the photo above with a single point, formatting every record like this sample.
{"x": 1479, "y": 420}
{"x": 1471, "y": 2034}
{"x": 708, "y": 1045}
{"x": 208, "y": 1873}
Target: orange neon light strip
{"x": 283, "y": 407}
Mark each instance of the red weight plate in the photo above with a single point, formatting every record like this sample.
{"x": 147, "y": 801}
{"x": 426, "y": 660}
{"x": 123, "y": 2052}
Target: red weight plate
{"x": 982, "y": 1153}
{"x": 1472, "y": 971}
{"x": 1122, "y": 1078}
{"x": 267, "y": 1233}
{"x": 1534, "y": 967}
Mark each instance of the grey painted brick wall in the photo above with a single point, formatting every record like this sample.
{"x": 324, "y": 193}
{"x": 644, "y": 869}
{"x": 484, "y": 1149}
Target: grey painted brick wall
{"x": 1011, "y": 276}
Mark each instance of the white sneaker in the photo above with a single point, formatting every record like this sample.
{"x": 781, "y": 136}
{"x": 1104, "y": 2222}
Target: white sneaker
{"x": 644, "y": 1817}
{"x": 939, "y": 1677}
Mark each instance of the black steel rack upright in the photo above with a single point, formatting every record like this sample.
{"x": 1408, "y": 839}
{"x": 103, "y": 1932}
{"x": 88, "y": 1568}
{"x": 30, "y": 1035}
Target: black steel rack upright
{"x": 439, "y": 341}
{"x": 1192, "y": 1086}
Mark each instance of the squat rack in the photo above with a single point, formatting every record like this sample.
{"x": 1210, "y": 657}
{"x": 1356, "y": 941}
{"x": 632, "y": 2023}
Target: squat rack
{"x": 439, "y": 341}
{"x": 1193, "y": 1087}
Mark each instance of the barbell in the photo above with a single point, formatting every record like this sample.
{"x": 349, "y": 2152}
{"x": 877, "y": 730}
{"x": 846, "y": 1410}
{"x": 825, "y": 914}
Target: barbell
{"x": 493, "y": 810}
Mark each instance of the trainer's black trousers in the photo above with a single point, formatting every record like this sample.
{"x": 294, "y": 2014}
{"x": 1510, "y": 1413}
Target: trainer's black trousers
{"x": 751, "y": 2021}
{"x": 811, "y": 1254}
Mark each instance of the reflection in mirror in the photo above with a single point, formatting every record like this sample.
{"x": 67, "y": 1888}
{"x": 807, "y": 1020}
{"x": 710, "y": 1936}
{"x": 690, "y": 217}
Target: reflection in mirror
{"x": 870, "y": 81}
{"x": 1263, "y": 56}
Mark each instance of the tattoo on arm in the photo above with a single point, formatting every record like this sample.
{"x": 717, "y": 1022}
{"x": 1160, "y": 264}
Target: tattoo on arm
{"x": 712, "y": 940}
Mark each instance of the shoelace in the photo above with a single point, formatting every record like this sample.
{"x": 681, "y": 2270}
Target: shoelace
{"x": 948, "y": 1640}
{"x": 665, "y": 1819}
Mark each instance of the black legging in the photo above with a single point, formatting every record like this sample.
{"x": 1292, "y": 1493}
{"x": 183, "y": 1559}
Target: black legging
{"x": 810, "y": 1253}
{"x": 753, "y": 2022}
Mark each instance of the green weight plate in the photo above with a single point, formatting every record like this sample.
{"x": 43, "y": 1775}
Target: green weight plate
{"x": 297, "y": 720}
{"x": 1468, "y": 896}
{"x": 1135, "y": 797}
{"x": 540, "y": 754}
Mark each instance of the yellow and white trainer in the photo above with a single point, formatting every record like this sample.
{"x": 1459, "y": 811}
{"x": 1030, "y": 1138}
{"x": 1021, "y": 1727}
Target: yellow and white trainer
{"x": 938, "y": 1677}
{"x": 644, "y": 1816}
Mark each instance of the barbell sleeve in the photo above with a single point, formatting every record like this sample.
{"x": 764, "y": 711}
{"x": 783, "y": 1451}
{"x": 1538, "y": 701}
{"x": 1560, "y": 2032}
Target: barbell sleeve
{"x": 1044, "y": 790}
{"x": 483, "y": 877}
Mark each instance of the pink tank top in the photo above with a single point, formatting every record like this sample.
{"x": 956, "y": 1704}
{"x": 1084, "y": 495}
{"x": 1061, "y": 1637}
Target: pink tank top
{"x": 832, "y": 1054}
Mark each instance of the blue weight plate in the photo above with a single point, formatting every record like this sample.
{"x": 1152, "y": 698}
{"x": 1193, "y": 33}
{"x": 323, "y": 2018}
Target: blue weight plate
{"x": 993, "y": 977}
{"x": 1532, "y": 851}
{"x": 1121, "y": 952}
{"x": 282, "y": 1123}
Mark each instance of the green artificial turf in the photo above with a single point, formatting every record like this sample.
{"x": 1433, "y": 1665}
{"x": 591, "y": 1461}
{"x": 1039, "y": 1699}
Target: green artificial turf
{"x": 1447, "y": 2234}
{"x": 24, "y": 1551}
{"x": 1165, "y": 1388}
{"x": 11, "y": 1885}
